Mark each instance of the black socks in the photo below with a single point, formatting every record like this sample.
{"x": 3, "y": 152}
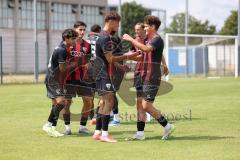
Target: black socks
{"x": 83, "y": 121}
{"x": 105, "y": 122}
{"x": 66, "y": 118}
{"x": 163, "y": 121}
{"x": 140, "y": 125}
{"x": 99, "y": 122}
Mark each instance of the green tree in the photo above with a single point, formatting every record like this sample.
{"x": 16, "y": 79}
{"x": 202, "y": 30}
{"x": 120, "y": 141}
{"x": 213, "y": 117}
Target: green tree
{"x": 195, "y": 26}
{"x": 230, "y": 26}
{"x": 131, "y": 14}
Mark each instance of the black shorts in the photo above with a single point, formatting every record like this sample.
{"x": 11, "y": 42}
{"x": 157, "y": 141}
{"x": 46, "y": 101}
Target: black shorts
{"x": 117, "y": 80}
{"x": 139, "y": 91}
{"x": 104, "y": 86}
{"x": 138, "y": 85}
{"x": 81, "y": 90}
{"x": 54, "y": 91}
{"x": 150, "y": 89}
{"x": 149, "y": 92}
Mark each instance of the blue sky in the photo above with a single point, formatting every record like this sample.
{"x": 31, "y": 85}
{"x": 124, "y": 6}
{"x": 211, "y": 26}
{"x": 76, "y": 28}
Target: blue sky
{"x": 216, "y": 11}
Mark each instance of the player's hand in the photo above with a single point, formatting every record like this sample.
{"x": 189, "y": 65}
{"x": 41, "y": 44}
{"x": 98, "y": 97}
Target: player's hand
{"x": 131, "y": 55}
{"x": 127, "y": 37}
{"x": 165, "y": 70}
{"x": 138, "y": 58}
{"x": 88, "y": 77}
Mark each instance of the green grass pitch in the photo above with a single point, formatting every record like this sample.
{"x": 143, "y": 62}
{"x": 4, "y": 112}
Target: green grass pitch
{"x": 212, "y": 133}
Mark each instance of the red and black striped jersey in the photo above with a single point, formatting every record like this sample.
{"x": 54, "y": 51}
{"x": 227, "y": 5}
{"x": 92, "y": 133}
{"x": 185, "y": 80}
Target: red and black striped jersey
{"x": 80, "y": 54}
{"x": 152, "y": 60}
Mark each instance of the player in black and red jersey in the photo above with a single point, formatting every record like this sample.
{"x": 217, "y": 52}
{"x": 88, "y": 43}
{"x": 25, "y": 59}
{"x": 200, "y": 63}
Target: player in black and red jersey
{"x": 92, "y": 38}
{"x": 78, "y": 80}
{"x": 55, "y": 79}
{"x": 151, "y": 73}
{"x": 104, "y": 85}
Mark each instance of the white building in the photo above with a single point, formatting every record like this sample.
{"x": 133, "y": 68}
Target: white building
{"x": 53, "y": 16}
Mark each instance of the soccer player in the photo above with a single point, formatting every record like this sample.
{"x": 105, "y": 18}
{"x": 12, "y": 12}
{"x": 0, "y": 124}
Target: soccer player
{"x": 92, "y": 38}
{"x": 78, "y": 82}
{"x": 118, "y": 75}
{"x": 104, "y": 50}
{"x": 151, "y": 74}
{"x": 54, "y": 80}
{"x": 141, "y": 114}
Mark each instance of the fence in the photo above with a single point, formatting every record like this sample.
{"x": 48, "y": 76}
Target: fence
{"x": 206, "y": 55}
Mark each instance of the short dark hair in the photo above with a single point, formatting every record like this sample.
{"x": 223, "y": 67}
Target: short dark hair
{"x": 140, "y": 24}
{"x": 96, "y": 28}
{"x": 152, "y": 20}
{"x": 112, "y": 16}
{"x": 69, "y": 33}
{"x": 79, "y": 23}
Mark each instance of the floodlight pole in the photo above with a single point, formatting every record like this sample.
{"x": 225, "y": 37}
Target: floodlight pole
{"x": 186, "y": 38}
{"x": 238, "y": 69}
{"x": 119, "y": 12}
{"x": 1, "y": 62}
{"x": 35, "y": 40}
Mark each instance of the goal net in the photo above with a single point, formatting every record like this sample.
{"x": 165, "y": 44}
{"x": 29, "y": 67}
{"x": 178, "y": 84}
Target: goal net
{"x": 204, "y": 55}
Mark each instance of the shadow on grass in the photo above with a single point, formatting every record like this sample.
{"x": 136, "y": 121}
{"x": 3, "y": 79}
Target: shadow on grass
{"x": 191, "y": 138}
{"x": 155, "y": 122}
{"x": 135, "y": 123}
{"x": 76, "y": 134}
{"x": 127, "y": 132}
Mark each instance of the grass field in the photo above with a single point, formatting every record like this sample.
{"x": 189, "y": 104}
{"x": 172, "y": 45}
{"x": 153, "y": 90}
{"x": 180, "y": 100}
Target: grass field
{"x": 213, "y": 133}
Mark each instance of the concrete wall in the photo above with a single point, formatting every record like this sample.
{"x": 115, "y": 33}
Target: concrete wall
{"x": 22, "y": 59}
{"x": 18, "y": 45}
{"x": 8, "y": 49}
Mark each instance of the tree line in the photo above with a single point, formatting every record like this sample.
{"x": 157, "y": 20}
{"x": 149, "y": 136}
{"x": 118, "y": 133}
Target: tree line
{"x": 133, "y": 13}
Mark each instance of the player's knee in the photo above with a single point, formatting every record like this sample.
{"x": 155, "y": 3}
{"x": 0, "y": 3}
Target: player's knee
{"x": 139, "y": 103}
{"x": 145, "y": 105}
{"x": 101, "y": 103}
{"x": 87, "y": 101}
{"x": 61, "y": 101}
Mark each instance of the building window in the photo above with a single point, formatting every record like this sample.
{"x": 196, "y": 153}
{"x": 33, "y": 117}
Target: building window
{"x": 25, "y": 16}
{"x": 41, "y": 15}
{"x": 6, "y": 13}
{"x": 63, "y": 15}
{"x": 92, "y": 15}
{"x": 113, "y": 9}
{"x": 25, "y": 19}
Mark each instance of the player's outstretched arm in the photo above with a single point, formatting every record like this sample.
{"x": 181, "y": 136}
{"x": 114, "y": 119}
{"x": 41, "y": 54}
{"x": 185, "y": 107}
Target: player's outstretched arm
{"x": 142, "y": 47}
{"x": 127, "y": 56}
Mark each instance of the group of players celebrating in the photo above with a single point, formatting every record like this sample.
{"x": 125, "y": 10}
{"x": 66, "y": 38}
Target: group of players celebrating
{"x": 80, "y": 68}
